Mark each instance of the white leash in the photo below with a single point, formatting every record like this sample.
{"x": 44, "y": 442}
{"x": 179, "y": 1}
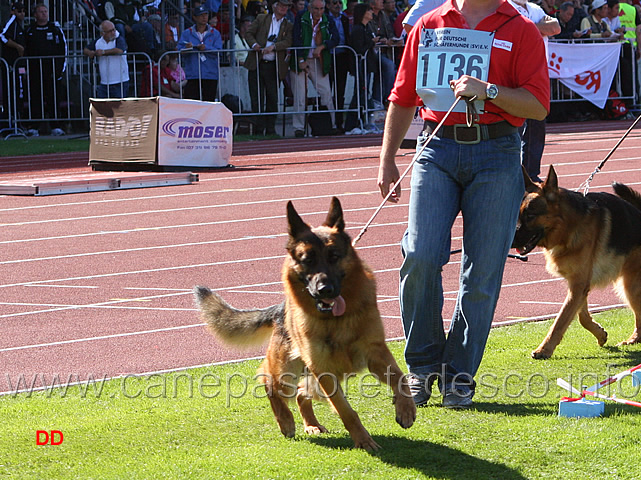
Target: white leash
{"x": 393, "y": 189}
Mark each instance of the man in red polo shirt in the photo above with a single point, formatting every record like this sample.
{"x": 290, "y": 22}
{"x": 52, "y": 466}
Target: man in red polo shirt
{"x": 465, "y": 48}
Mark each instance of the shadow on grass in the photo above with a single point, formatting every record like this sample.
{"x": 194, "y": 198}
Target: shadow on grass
{"x": 428, "y": 458}
{"x": 514, "y": 409}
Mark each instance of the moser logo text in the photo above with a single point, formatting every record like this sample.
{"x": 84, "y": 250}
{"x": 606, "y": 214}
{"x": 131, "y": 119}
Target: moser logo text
{"x": 192, "y": 128}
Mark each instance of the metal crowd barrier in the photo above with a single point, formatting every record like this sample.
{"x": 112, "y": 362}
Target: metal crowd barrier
{"x": 233, "y": 80}
{"x": 8, "y": 125}
{"x": 34, "y": 97}
{"x": 56, "y": 89}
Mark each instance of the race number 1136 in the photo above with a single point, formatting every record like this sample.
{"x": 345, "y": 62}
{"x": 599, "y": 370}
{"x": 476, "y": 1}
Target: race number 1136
{"x": 436, "y": 70}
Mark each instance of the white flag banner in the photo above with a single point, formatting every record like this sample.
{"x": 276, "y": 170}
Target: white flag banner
{"x": 587, "y": 69}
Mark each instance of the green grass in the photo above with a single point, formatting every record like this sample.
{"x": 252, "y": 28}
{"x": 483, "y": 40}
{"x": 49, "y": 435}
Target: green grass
{"x": 35, "y": 146}
{"x": 149, "y": 428}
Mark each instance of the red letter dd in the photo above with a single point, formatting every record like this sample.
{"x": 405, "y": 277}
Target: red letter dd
{"x": 53, "y": 437}
{"x": 46, "y": 439}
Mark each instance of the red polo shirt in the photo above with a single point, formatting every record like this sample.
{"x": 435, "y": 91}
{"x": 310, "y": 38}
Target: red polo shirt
{"x": 522, "y": 64}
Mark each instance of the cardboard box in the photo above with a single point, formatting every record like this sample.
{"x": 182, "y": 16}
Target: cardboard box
{"x": 123, "y": 130}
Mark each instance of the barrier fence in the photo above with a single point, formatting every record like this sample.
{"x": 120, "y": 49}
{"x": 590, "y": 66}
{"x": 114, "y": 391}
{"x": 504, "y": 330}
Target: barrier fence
{"x": 56, "y": 90}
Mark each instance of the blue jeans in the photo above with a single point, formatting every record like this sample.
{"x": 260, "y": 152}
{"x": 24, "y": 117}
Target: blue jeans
{"x": 485, "y": 183}
{"x": 115, "y": 90}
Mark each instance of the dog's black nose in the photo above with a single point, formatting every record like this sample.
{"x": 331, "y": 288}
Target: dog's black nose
{"x": 326, "y": 290}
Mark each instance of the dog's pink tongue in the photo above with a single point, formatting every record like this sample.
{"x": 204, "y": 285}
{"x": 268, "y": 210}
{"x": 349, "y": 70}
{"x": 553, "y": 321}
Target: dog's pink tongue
{"x": 338, "y": 308}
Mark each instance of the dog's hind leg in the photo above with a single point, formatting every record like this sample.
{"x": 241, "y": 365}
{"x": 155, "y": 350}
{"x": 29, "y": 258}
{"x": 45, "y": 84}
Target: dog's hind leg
{"x": 576, "y": 297}
{"x": 384, "y": 366}
{"x": 631, "y": 283}
{"x": 280, "y": 376}
{"x": 279, "y": 394}
{"x": 591, "y": 326}
{"x": 305, "y": 405}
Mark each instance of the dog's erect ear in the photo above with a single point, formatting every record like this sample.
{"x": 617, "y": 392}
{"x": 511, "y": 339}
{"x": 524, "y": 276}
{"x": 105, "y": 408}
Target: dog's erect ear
{"x": 335, "y": 216}
{"x": 296, "y": 224}
{"x": 551, "y": 185}
{"x": 530, "y": 186}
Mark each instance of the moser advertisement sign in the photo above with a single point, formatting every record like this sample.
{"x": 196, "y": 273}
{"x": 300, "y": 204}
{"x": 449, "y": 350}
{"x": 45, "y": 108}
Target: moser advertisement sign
{"x": 193, "y": 133}
{"x": 163, "y": 131}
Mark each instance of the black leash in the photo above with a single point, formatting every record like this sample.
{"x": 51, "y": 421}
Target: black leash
{"x": 523, "y": 258}
{"x": 586, "y": 185}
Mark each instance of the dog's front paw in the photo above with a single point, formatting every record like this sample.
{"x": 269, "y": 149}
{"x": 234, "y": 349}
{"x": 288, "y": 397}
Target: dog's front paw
{"x": 315, "y": 429}
{"x": 405, "y": 411}
{"x": 602, "y": 338}
{"x": 541, "y": 354}
{"x": 367, "y": 443}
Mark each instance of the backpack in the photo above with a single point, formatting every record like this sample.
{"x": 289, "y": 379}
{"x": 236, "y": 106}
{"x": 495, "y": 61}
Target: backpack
{"x": 615, "y": 107}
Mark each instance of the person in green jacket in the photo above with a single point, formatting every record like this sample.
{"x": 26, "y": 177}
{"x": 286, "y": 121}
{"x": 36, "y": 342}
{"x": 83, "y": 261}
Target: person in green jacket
{"x": 313, "y": 30}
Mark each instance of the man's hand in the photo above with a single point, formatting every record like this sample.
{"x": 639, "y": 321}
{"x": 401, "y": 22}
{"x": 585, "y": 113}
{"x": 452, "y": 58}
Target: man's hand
{"x": 387, "y": 177}
{"x": 467, "y": 86}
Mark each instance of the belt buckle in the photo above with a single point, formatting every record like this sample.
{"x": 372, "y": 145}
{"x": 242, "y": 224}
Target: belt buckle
{"x": 476, "y": 126}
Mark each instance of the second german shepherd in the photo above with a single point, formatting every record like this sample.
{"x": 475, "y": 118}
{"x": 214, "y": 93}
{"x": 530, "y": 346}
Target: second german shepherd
{"x": 328, "y": 327}
{"x": 590, "y": 241}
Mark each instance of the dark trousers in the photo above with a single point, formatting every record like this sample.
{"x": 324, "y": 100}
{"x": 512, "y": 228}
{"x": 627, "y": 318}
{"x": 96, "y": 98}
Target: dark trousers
{"x": 194, "y": 87}
{"x": 43, "y": 89}
{"x": 532, "y": 145}
{"x": 263, "y": 90}
{"x": 353, "y": 120}
{"x": 338, "y": 79}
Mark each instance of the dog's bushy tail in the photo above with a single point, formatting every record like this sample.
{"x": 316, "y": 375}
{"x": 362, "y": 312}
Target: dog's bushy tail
{"x": 237, "y": 327}
{"x": 627, "y": 194}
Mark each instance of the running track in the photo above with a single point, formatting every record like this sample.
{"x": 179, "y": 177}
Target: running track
{"x": 99, "y": 284}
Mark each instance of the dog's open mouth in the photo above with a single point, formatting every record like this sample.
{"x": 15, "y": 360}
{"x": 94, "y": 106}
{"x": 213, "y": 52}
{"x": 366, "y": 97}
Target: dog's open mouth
{"x": 335, "y": 306}
{"x": 530, "y": 244}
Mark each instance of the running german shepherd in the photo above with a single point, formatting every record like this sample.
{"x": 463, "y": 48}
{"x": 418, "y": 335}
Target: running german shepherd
{"x": 328, "y": 328}
{"x": 590, "y": 241}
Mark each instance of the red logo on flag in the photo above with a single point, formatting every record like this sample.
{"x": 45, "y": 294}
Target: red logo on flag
{"x": 555, "y": 63}
{"x": 589, "y": 80}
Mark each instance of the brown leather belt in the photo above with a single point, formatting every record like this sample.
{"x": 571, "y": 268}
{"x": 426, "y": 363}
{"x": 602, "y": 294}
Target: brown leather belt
{"x": 465, "y": 135}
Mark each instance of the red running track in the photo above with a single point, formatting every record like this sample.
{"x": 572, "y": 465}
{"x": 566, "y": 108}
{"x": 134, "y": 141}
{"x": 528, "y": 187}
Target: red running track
{"x": 99, "y": 284}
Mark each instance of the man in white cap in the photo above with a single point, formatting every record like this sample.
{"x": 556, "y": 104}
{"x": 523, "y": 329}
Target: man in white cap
{"x": 595, "y": 22}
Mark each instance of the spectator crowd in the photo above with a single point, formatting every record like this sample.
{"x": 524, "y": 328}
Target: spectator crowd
{"x": 293, "y": 44}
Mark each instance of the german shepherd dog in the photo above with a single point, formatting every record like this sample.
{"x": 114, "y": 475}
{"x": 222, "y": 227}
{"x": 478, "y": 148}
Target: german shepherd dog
{"x": 328, "y": 328}
{"x": 590, "y": 241}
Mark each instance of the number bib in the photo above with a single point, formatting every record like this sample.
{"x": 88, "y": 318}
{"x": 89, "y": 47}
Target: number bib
{"x": 446, "y": 54}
